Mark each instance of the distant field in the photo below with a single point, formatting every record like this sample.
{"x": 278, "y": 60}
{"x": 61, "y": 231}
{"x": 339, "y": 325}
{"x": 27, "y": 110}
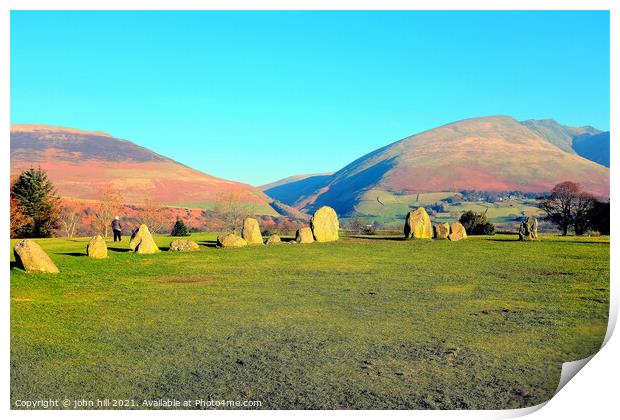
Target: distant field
{"x": 206, "y": 205}
{"x": 367, "y": 322}
{"x": 254, "y": 208}
{"x": 390, "y": 209}
{"x": 510, "y": 211}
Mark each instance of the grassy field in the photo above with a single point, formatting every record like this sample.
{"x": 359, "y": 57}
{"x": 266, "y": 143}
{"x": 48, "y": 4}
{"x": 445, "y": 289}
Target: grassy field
{"x": 388, "y": 208}
{"x": 372, "y": 322}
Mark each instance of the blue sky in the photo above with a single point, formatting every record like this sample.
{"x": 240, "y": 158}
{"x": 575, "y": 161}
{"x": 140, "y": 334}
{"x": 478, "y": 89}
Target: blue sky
{"x": 258, "y": 96}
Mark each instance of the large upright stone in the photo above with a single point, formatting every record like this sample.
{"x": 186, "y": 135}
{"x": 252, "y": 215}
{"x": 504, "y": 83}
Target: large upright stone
{"x": 418, "y": 224}
{"x": 529, "y": 229}
{"x": 31, "y": 257}
{"x": 142, "y": 242}
{"x": 304, "y": 236}
{"x": 181, "y": 245}
{"x": 251, "y": 231}
{"x": 324, "y": 225}
{"x": 230, "y": 240}
{"x": 97, "y": 247}
{"x": 457, "y": 232}
{"x": 441, "y": 230}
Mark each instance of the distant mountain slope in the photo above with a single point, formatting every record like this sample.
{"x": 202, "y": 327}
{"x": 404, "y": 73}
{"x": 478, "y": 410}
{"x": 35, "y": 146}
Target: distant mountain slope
{"x": 292, "y": 189}
{"x": 594, "y": 147}
{"x": 558, "y": 134}
{"x": 574, "y": 139}
{"x": 486, "y": 154}
{"x": 290, "y": 179}
{"x": 286, "y": 210}
{"x": 82, "y": 163}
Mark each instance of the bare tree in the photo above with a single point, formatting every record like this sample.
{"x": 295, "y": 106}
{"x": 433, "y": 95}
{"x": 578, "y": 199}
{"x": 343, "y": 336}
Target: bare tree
{"x": 109, "y": 206}
{"x": 233, "y": 209}
{"x": 19, "y": 220}
{"x": 584, "y": 204}
{"x": 69, "y": 218}
{"x": 567, "y": 206}
{"x": 154, "y": 217}
{"x": 356, "y": 225}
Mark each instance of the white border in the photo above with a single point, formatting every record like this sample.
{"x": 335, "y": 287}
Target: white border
{"x": 593, "y": 395}
{"x": 310, "y": 5}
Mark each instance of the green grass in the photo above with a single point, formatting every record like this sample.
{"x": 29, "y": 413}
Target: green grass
{"x": 389, "y": 209}
{"x": 361, "y": 323}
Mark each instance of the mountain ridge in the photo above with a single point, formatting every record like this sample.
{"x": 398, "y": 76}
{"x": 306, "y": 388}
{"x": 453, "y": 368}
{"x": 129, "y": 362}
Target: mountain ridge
{"x": 574, "y": 139}
{"x": 82, "y": 163}
{"x": 494, "y": 153}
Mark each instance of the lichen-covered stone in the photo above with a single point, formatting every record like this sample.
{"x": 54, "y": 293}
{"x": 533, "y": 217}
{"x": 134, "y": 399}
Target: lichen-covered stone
{"x": 230, "y": 240}
{"x": 457, "y": 232}
{"x": 325, "y": 225}
{"x": 273, "y": 240}
{"x": 304, "y": 236}
{"x": 142, "y": 241}
{"x": 181, "y": 245}
{"x": 528, "y": 231}
{"x": 441, "y": 230}
{"x": 31, "y": 257}
{"x": 97, "y": 247}
{"x": 418, "y": 225}
{"x": 251, "y": 231}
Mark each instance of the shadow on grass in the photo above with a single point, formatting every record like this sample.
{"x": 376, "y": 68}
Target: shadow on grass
{"x": 73, "y": 254}
{"x": 208, "y": 244}
{"x": 119, "y": 249}
{"x": 576, "y": 242}
{"x": 377, "y": 238}
{"x": 15, "y": 265}
{"x": 563, "y": 241}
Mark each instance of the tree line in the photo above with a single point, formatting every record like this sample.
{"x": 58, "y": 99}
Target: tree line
{"x": 570, "y": 208}
{"x": 37, "y": 211}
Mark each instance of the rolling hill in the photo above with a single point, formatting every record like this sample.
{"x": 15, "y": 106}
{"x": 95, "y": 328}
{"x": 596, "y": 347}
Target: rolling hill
{"x": 486, "y": 154}
{"x": 82, "y": 163}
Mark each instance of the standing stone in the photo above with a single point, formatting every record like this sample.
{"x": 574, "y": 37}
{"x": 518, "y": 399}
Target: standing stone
{"x": 529, "y": 229}
{"x": 441, "y": 230}
{"x": 324, "y": 225}
{"x": 31, "y": 257}
{"x": 142, "y": 242}
{"x": 273, "y": 240}
{"x": 230, "y": 240}
{"x": 180, "y": 245}
{"x": 97, "y": 248}
{"x": 457, "y": 232}
{"x": 418, "y": 224}
{"x": 251, "y": 232}
{"x": 304, "y": 236}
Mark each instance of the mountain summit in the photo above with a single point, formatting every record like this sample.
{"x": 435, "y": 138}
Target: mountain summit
{"x": 486, "y": 154}
{"x": 81, "y": 163}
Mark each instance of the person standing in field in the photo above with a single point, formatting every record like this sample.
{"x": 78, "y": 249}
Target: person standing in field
{"x": 116, "y": 228}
